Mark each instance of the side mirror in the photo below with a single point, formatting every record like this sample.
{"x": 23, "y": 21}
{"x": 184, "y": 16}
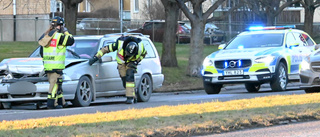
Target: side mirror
{"x": 106, "y": 58}
{"x": 222, "y": 46}
{"x": 316, "y": 47}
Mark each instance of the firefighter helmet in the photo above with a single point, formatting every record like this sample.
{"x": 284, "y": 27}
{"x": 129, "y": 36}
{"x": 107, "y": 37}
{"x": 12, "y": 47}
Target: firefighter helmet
{"x": 57, "y": 20}
{"x": 131, "y": 49}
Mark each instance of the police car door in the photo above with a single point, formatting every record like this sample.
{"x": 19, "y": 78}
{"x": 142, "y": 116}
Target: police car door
{"x": 306, "y": 46}
{"x": 294, "y": 50}
{"x": 108, "y": 79}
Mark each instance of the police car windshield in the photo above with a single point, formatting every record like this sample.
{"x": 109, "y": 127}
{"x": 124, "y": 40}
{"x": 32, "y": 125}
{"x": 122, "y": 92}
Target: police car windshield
{"x": 256, "y": 41}
{"x": 84, "y": 48}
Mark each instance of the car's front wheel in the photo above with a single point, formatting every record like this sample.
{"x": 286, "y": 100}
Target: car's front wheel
{"x": 212, "y": 88}
{"x": 84, "y": 93}
{"x": 312, "y": 90}
{"x": 252, "y": 87}
{"x": 144, "y": 89}
{"x": 280, "y": 81}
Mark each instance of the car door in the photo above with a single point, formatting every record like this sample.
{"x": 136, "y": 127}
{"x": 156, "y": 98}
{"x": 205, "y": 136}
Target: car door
{"x": 295, "y": 52}
{"x": 150, "y": 64}
{"x": 108, "y": 78}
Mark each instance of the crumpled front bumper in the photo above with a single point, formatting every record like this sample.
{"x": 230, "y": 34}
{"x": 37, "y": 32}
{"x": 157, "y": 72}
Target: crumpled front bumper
{"x": 31, "y": 89}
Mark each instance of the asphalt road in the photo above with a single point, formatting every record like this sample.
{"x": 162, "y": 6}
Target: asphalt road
{"x": 228, "y": 93}
{"x": 303, "y": 129}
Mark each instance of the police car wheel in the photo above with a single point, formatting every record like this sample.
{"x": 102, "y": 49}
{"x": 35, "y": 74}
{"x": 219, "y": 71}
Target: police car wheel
{"x": 84, "y": 93}
{"x": 144, "y": 89}
{"x": 280, "y": 81}
{"x": 312, "y": 90}
{"x": 252, "y": 87}
{"x": 212, "y": 88}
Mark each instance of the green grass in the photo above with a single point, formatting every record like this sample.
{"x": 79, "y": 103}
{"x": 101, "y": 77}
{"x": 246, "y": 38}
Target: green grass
{"x": 182, "y": 120}
{"x": 16, "y": 49}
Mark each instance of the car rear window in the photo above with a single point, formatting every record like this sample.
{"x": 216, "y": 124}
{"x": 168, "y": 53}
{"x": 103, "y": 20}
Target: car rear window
{"x": 256, "y": 41}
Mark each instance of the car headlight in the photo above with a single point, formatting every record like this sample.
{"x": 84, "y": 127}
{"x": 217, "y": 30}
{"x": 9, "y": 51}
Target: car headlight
{"x": 207, "y": 62}
{"x": 305, "y": 64}
{"x": 264, "y": 59}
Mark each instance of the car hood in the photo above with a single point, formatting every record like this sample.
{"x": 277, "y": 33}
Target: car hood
{"x": 242, "y": 53}
{"x": 30, "y": 65}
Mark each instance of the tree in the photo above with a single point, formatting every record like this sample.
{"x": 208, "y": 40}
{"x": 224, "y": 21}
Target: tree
{"x": 153, "y": 11}
{"x": 309, "y": 8}
{"x": 268, "y": 10}
{"x": 168, "y": 58}
{"x": 70, "y": 14}
{"x": 198, "y": 20}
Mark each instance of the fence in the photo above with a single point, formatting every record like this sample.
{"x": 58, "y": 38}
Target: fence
{"x": 32, "y": 29}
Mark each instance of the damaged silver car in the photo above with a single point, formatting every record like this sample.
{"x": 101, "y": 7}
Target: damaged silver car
{"x": 23, "y": 79}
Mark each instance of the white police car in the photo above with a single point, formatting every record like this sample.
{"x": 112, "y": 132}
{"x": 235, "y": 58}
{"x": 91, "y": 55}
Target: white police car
{"x": 260, "y": 55}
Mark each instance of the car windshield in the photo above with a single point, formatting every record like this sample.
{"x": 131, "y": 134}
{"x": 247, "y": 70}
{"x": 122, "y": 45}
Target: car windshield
{"x": 83, "y": 48}
{"x": 256, "y": 41}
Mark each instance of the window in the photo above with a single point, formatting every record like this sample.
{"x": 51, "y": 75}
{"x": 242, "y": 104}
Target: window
{"x": 290, "y": 39}
{"x": 136, "y": 5}
{"x": 148, "y": 47}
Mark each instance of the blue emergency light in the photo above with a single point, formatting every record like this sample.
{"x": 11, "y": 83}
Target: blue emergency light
{"x": 255, "y": 28}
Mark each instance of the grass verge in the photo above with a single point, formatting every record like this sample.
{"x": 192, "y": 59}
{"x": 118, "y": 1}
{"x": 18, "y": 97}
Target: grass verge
{"x": 183, "y": 120}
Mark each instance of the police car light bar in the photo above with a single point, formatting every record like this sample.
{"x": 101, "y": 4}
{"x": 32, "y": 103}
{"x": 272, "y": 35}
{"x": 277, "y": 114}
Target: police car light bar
{"x": 272, "y": 27}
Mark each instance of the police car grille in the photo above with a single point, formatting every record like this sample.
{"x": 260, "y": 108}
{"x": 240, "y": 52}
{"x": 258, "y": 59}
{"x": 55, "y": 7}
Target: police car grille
{"x": 315, "y": 66}
{"x": 221, "y": 64}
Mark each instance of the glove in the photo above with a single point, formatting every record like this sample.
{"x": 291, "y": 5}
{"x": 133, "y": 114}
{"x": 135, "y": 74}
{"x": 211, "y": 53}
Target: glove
{"x": 132, "y": 65}
{"x": 93, "y": 60}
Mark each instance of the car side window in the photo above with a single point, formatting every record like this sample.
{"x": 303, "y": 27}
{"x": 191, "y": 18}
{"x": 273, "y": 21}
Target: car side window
{"x": 290, "y": 39}
{"x": 308, "y": 40}
{"x": 148, "y": 26}
{"x": 112, "y": 54}
{"x": 150, "y": 52}
{"x": 299, "y": 37}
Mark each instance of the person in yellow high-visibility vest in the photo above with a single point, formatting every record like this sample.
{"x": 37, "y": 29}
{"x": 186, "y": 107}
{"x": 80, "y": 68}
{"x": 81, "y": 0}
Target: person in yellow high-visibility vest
{"x": 56, "y": 38}
{"x": 130, "y": 51}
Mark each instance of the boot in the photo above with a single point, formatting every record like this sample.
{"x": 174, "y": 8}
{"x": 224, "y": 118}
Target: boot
{"x": 59, "y": 106}
{"x": 129, "y": 100}
{"x": 50, "y": 103}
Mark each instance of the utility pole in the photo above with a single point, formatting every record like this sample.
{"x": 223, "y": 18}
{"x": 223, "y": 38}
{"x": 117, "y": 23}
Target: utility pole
{"x": 14, "y": 20}
{"x": 121, "y": 15}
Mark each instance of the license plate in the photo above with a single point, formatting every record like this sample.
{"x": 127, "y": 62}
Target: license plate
{"x": 233, "y": 72}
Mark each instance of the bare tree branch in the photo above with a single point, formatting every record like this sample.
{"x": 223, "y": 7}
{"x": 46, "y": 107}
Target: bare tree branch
{"x": 8, "y": 5}
{"x": 285, "y": 5}
{"x": 212, "y": 8}
{"x": 185, "y": 9}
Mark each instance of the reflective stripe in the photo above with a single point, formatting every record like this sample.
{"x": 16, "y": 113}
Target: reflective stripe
{"x": 129, "y": 84}
{"x": 111, "y": 47}
{"x": 54, "y": 62}
{"x": 54, "y": 90}
{"x": 65, "y": 40}
{"x": 54, "y": 54}
{"x": 100, "y": 53}
{"x": 59, "y": 96}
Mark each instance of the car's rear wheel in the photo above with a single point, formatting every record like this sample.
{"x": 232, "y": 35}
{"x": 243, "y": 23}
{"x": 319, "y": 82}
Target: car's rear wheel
{"x": 212, "y": 88}
{"x": 252, "y": 87}
{"x": 312, "y": 90}
{"x": 280, "y": 81}
{"x": 144, "y": 89}
{"x": 84, "y": 93}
